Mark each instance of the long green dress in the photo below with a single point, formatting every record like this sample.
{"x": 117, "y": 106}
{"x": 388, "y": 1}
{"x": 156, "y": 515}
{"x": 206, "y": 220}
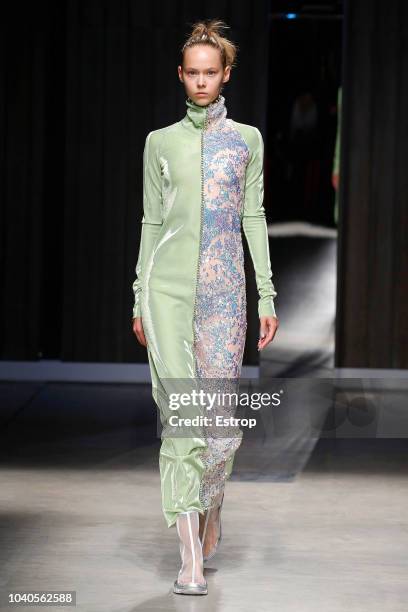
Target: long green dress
{"x": 202, "y": 183}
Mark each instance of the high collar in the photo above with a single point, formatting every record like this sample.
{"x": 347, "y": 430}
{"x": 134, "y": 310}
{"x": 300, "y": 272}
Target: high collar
{"x": 206, "y": 116}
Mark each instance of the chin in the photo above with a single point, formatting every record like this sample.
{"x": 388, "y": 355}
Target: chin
{"x": 204, "y": 101}
{"x": 199, "y": 99}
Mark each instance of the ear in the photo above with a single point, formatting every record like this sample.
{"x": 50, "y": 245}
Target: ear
{"x": 180, "y": 73}
{"x": 227, "y": 74}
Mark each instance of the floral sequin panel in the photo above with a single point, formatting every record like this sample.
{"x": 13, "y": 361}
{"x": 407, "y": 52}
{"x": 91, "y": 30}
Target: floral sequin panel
{"x": 220, "y": 319}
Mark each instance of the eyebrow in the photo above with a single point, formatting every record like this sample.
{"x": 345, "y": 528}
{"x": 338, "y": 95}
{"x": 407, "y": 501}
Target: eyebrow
{"x": 191, "y": 68}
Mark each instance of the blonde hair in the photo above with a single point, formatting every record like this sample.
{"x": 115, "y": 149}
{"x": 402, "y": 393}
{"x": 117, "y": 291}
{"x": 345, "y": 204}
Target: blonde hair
{"x": 209, "y": 32}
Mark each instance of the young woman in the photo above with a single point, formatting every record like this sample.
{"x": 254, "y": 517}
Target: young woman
{"x": 203, "y": 182}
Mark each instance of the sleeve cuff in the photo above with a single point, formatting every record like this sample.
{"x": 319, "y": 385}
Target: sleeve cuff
{"x": 266, "y": 308}
{"x": 136, "y": 311}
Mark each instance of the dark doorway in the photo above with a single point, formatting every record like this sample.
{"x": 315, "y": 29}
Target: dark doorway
{"x": 304, "y": 77}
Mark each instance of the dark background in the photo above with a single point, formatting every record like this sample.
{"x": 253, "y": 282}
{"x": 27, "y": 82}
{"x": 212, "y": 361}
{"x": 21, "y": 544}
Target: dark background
{"x": 305, "y": 56}
{"x": 82, "y": 82}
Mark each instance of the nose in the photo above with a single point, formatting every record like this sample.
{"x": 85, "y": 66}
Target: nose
{"x": 201, "y": 80}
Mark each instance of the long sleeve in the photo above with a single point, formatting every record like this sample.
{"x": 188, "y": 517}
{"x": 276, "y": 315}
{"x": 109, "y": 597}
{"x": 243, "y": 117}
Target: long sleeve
{"x": 152, "y": 214}
{"x": 255, "y": 228}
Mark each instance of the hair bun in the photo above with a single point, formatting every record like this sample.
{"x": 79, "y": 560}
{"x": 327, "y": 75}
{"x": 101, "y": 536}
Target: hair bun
{"x": 209, "y": 31}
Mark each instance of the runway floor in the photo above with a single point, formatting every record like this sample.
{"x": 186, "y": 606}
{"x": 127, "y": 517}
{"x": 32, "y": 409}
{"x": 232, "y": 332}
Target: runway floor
{"x": 80, "y": 510}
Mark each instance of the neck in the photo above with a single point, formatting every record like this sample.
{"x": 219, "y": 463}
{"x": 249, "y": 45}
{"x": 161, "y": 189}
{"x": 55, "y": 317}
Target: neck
{"x": 209, "y": 115}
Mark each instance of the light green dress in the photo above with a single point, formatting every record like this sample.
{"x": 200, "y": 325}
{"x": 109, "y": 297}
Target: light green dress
{"x": 202, "y": 185}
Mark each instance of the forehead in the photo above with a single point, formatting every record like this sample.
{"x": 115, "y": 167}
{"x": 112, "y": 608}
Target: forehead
{"x": 202, "y": 56}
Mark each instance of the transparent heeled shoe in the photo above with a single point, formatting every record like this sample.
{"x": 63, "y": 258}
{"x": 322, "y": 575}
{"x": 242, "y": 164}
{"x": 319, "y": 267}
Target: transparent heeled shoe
{"x": 213, "y": 509}
{"x": 190, "y": 580}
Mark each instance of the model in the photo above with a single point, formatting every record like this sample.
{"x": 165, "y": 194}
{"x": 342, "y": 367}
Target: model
{"x": 202, "y": 183}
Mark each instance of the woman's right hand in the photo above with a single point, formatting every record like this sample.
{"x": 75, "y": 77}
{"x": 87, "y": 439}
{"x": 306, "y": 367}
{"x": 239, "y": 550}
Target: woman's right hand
{"x": 138, "y": 330}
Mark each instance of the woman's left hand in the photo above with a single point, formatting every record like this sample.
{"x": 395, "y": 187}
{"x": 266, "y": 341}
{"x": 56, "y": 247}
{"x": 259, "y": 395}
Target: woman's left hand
{"x": 267, "y": 331}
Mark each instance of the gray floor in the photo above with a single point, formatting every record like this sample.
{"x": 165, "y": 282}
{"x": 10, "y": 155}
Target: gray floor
{"x": 334, "y": 539}
{"x": 305, "y": 273}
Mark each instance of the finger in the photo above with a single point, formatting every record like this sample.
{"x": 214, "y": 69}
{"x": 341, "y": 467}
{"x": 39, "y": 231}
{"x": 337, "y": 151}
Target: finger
{"x": 141, "y": 339}
{"x": 269, "y": 337}
{"x": 265, "y": 341}
{"x": 142, "y": 335}
{"x": 263, "y": 328}
{"x": 272, "y": 327}
{"x": 138, "y": 331}
{"x": 261, "y": 342}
